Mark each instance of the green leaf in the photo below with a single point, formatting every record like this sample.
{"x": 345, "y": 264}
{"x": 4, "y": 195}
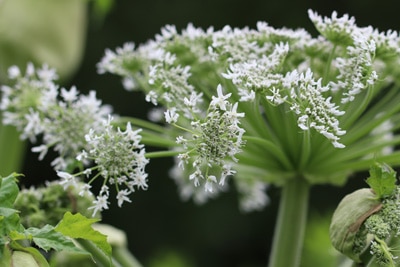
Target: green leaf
{"x": 48, "y": 238}
{"x": 17, "y": 235}
{"x": 382, "y": 180}
{"x": 9, "y": 217}
{"x": 8, "y": 190}
{"x": 6, "y": 212}
{"x": 78, "y": 226}
{"x": 9, "y": 221}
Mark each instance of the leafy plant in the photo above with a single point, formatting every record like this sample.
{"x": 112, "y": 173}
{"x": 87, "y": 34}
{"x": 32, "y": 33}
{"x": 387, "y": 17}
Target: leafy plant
{"x": 17, "y": 242}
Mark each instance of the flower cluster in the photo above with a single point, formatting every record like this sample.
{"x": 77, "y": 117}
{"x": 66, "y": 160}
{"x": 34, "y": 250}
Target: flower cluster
{"x": 47, "y": 204}
{"x": 301, "y": 102}
{"x": 79, "y": 128}
{"x": 262, "y": 105}
{"x": 378, "y": 228}
{"x": 119, "y": 158}
{"x": 19, "y": 103}
{"x": 214, "y": 142}
{"x": 37, "y": 106}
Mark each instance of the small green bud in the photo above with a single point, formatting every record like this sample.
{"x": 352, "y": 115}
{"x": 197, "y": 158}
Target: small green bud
{"x": 366, "y": 221}
{"x": 47, "y": 204}
{"x": 23, "y": 259}
{"x": 348, "y": 217}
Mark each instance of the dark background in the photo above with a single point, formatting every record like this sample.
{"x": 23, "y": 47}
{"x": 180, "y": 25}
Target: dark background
{"x": 158, "y": 224}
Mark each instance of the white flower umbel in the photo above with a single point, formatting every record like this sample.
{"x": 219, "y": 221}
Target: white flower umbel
{"x": 66, "y": 122}
{"x": 118, "y": 159}
{"x": 212, "y": 143}
{"x": 114, "y": 62}
{"x": 36, "y": 106}
{"x": 79, "y": 128}
{"x": 21, "y": 100}
{"x": 310, "y": 103}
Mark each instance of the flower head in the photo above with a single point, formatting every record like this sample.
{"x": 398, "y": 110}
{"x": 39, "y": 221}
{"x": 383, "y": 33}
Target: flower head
{"x": 21, "y": 101}
{"x": 79, "y": 128}
{"x": 118, "y": 158}
{"x": 304, "y": 105}
{"x": 211, "y": 144}
{"x": 37, "y": 107}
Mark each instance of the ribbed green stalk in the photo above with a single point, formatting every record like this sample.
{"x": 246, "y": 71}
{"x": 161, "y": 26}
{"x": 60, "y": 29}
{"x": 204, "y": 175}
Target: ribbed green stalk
{"x": 125, "y": 258}
{"x": 100, "y": 258}
{"x": 291, "y": 224}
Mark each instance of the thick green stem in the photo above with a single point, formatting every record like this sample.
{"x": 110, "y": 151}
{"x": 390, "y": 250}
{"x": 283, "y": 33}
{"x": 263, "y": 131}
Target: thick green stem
{"x": 12, "y": 150}
{"x": 291, "y": 224}
{"x": 125, "y": 258}
{"x": 99, "y": 256}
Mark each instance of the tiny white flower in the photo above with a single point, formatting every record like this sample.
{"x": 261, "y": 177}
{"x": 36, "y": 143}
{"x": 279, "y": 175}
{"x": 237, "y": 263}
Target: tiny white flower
{"x": 104, "y": 190}
{"x": 152, "y": 97}
{"x": 42, "y": 149}
{"x": 34, "y": 126}
{"x": 276, "y": 97}
{"x": 13, "y": 72}
{"x": 47, "y": 74}
{"x": 171, "y": 116}
{"x": 129, "y": 83}
{"x": 232, "y": 113}
{"x": 82, "y": 156}
{"x": 85, "y": 190}
{"x": 182, "y": 141}
{"x": 30, "y": 69}
{"x": 100, "y": 204}
{"x": 193, "y": 100}
{"x": 140, "y": 180}
{"x": 71, "y": 95}
{"x": 67, "y": 179}
{"x": 183, "y": 159}
{"x": 122, "y": 197}
{"x": 303, "y": 122}
{"x": 196, "y": 176}
{"x": 211, "y": 181}
{"x": 87, "y": 172}
{"x": 246, "y": 95}
{"x": 220, "y": 100}
{"x": 226, "y": 171}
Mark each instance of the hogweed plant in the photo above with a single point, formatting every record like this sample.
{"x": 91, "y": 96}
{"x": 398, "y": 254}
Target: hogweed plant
{"x": 249, "y": 107}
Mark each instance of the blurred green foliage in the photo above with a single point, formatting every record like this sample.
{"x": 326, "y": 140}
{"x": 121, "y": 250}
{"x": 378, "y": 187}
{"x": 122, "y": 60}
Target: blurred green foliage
{"x": 42, "y": 31}
{"x": 318, "y": 250}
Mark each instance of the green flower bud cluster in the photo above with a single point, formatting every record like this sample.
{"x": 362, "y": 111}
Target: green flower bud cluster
{"x": 367, "y": 222}
{"x": 347, "y": 220}
{"x": 47, "y": 204}
{"x": 378, "y": 230}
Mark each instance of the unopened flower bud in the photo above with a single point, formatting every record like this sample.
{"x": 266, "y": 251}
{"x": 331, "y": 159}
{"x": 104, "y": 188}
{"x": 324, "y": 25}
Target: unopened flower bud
{"x": 347, "y": 219}
{"x": 23, "y": 259}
